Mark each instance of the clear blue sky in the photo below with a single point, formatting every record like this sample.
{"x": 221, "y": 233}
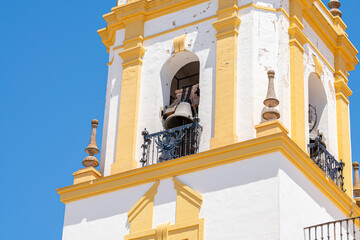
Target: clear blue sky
{"x": 53, "y": 80}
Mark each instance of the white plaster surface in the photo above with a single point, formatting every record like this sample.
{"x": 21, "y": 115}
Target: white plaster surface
{"x": 165, "y": 203}
{"x": 264, "y": 197}
{"x": 263, "y": 44}
{"x": 112, "y": 107}
{"x": 119, "y": 37}
{"x": 180, "y": 18}
{"x": 121, "y": 2}
{"x": 323, "y": 12}
{"x": 101, "y": 217}
{"x": 267, "y": 3}
{"x": 301, "y": 203}
{"x": 319, "y": 44}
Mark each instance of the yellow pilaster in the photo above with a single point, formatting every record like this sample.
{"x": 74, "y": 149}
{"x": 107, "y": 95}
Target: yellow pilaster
{"x": 130, "y": 91}
{"x": 226, "y": 74}
{"x": 297, "y": 40}
{"x": 342, "y": 92}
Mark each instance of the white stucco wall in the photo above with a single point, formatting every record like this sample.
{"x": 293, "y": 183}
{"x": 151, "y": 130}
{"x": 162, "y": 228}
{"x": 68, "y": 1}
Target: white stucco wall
{"x": 263, "y": 44}
{"x": 301, "y": 203}
{"x": 319, "y": 44}
{"x": 264, "y": 197}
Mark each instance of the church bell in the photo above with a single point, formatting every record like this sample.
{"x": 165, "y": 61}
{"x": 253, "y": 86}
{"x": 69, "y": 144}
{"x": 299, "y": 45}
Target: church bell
{"x": 182, "y": 116}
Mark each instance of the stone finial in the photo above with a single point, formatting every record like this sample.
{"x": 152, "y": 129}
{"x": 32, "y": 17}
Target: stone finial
{"x": 356, "y": 179}
{"x": 334, "y": 8}
{"x": 92, "y": 149}
{"x": 271, "y": 113}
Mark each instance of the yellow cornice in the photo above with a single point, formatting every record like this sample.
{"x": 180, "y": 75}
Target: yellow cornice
{"x": 342, "y": 87}
{"x": 279, "y": 142}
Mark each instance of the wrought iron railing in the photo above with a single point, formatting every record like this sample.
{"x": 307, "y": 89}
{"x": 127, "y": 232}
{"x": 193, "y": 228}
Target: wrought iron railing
{"x": 170, "y": 144}
{"x": 332, "y": 168}
{"x": 346, "y": 229}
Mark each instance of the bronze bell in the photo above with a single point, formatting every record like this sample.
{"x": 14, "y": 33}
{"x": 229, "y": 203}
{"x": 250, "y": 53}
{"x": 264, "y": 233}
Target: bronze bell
{"x": 182, "y": 116}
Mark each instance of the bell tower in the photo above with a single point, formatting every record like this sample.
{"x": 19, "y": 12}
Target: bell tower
{"x": 210, "y": 106}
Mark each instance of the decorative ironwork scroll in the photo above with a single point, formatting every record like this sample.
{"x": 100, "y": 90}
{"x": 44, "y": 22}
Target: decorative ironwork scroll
{"x": 170, "y": 144}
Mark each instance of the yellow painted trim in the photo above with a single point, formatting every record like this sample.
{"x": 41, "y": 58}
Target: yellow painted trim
{"x": 178, "y": 231}
{"x": 297, "y": 88}
{"x": 269, "y": 128}
{"x": 111, "y": 62}
{"x": 141, "y": 214}
{"x": 190, "y": 193}
{"x": 118, "y": 47}
{"x": 264, "y": 8}
{"x": 144, "y": 200}
{"x": 318, "y": 66}
{"x": 188, "y": 202}
{"x": 329, "y": 33}
{"x": 342, "y": 93}
{"x": 86, "y": 174}
{"x": 130, "y": 95}
{"x": 179, "y": 43}
{"x": 279, "y": 142}
{"x": 182, "y": 229}
{"x": 226, "y": 74}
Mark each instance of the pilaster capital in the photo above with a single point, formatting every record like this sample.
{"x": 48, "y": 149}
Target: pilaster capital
{"x": 342, "y": 89}
{"x": 227, "y": 26}
{"x": 297, "y": 36}
{"x": 132, "y": 55}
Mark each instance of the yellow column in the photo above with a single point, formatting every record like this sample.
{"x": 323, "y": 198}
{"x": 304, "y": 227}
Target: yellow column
{"x": 226, "y": 74}
{"x": 297, "y": 92}
{"x": 130, "y": 91}
{"x": 343, "y": 92}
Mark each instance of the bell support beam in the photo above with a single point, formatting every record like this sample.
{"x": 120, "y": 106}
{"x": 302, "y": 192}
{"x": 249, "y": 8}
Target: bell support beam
{"x": 130, "y": 95}
{"x": 226, "y": 74}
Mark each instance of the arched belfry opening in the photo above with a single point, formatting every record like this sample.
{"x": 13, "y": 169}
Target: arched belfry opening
{"x": 184, "y": 96}
{"x": 179, "y": 114}
{"x": 317, "y": 109}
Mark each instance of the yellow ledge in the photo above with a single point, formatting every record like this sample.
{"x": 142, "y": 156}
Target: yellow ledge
{"x": 278, "y": 142}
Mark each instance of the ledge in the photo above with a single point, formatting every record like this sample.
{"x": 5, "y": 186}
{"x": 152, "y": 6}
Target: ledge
{"x": 278, "y": 142}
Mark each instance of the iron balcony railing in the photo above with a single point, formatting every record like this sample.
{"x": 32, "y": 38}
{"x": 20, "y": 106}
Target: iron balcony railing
{"x": 332, "y": 168}
{"x": 346, "y": 229}
{"x": 170, "y": 144}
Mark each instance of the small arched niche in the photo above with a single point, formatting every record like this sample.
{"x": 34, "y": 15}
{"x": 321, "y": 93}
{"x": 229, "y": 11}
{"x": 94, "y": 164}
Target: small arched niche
{"x": 317, "y": 109}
